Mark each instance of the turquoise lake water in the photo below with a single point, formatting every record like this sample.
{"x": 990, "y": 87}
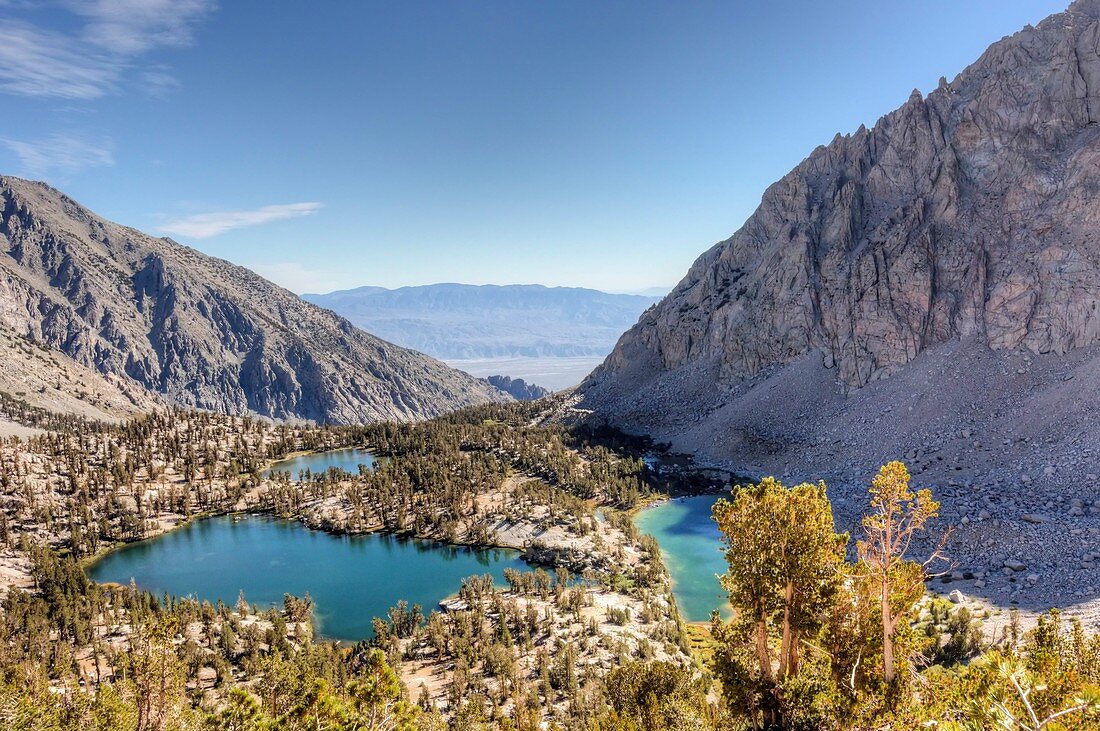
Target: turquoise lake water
{"x": 352, "y": 579}
{"x": 691, "y": 546}
{"x": 346, "y": 459}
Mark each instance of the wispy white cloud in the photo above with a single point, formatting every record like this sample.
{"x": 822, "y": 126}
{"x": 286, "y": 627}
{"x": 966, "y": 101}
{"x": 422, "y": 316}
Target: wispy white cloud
{"x": 158, "y": 82}
{"x": 36, "y": 62}
{"x": 130, "y": 27}
{"x": 205, "y": 225}
{"x": 60, "y": 155}
{"x": 97, "y": 57}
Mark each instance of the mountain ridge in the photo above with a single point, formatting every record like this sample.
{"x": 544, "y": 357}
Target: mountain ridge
{"x": 927, "y": 290}
{"x": 466, "y": 321}
{"x": 198, "y": 330}
{"x": 966, "y": 217}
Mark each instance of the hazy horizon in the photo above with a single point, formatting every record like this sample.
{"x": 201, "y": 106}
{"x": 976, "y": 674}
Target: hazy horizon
{"x": 655, "y": 291}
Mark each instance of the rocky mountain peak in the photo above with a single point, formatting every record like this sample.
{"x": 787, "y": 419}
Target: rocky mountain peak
{"x": 966, "y": 213}
{"x": 1085, "y": 7}
{"x": 198, "y": 330}
{"x": 927, "y": 289}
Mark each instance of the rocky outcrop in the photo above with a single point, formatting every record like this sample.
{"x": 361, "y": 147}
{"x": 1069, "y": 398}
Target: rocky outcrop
{"x": 972, "y": 213}
{"x": 47, "y": 379}
{"x": 198, "y": 330}
{"x": 517, "y": 388}
{"x": 575, "y": 558}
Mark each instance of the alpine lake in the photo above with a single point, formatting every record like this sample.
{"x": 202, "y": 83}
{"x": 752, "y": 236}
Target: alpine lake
{"x": 353, "y": 579}
{"x": 691, "y": 547}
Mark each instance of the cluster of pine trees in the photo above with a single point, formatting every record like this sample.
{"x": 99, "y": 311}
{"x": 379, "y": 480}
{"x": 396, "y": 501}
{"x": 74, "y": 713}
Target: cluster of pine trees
{"x": 536, "y": 651}
{"x": 77, "y": 656}
{"x": 18, "y": 410}
{"x": 819, "y": 641}
{"x": 81, "y": 488}
{"x": 826, "y": 635}
{"x": 88, "y": 484}
{"x": 431, "y": 474}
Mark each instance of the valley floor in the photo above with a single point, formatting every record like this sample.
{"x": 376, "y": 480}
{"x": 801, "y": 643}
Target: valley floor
{"x": 553, "y": 373}
{"x": 467, "y": 479}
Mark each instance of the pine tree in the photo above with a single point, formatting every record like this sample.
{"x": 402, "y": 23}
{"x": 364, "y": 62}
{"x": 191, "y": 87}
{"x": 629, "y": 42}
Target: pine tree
{"x": 897, "y": 516}
{"x": 785, "y": 561}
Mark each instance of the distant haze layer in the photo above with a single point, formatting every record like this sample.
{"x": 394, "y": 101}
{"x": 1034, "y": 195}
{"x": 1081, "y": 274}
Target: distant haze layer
{"x": 468, "y": 322}
{"x": 553, "y": 373}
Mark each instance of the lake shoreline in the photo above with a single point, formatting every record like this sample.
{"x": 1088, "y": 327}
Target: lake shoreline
{"x": 518, "y": 537}
{"x": 352, "y": 579}
{"x": 87, "y": 562}
{"x": 691, "y": 552}
{"x": 514, "y": 537}
{"x": 270, "y": 467}
{"x": 518, "y": 548}
{"x": 509, "y": 539}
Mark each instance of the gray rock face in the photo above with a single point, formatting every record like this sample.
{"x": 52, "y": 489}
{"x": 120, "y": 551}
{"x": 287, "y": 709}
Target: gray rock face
{"x": 518, "y": 388}
{"x": 200, "y": 331}
{"x": 926, "y": 290}
{"x": 970, "y": 213}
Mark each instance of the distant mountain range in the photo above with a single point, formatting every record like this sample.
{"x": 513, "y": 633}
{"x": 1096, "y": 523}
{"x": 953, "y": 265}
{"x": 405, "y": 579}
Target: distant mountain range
{"x": 101, "y": 319}
{"x": 463, "y": 321}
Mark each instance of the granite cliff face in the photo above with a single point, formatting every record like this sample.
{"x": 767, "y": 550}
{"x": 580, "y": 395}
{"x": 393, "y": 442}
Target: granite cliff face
{"x": 926, "y": 290}
{"x": 200, "y": 331}
{"x": 972, "y": 213}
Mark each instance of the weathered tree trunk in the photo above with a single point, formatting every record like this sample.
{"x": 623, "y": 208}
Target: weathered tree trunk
{"x": 795, "y": 663}
{"x": 887, "y": 635}
{"x": 763, "y": 655}
{"x": 785, "y": 668}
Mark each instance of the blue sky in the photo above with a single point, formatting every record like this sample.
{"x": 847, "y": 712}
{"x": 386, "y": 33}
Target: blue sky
{"x": 333, "y": 144}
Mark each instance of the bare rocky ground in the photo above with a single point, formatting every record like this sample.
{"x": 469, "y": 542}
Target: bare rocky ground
{"x": 1008, "y": 441}
{"x": 12, "y": 429}
{"x": 48, "y": 379}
